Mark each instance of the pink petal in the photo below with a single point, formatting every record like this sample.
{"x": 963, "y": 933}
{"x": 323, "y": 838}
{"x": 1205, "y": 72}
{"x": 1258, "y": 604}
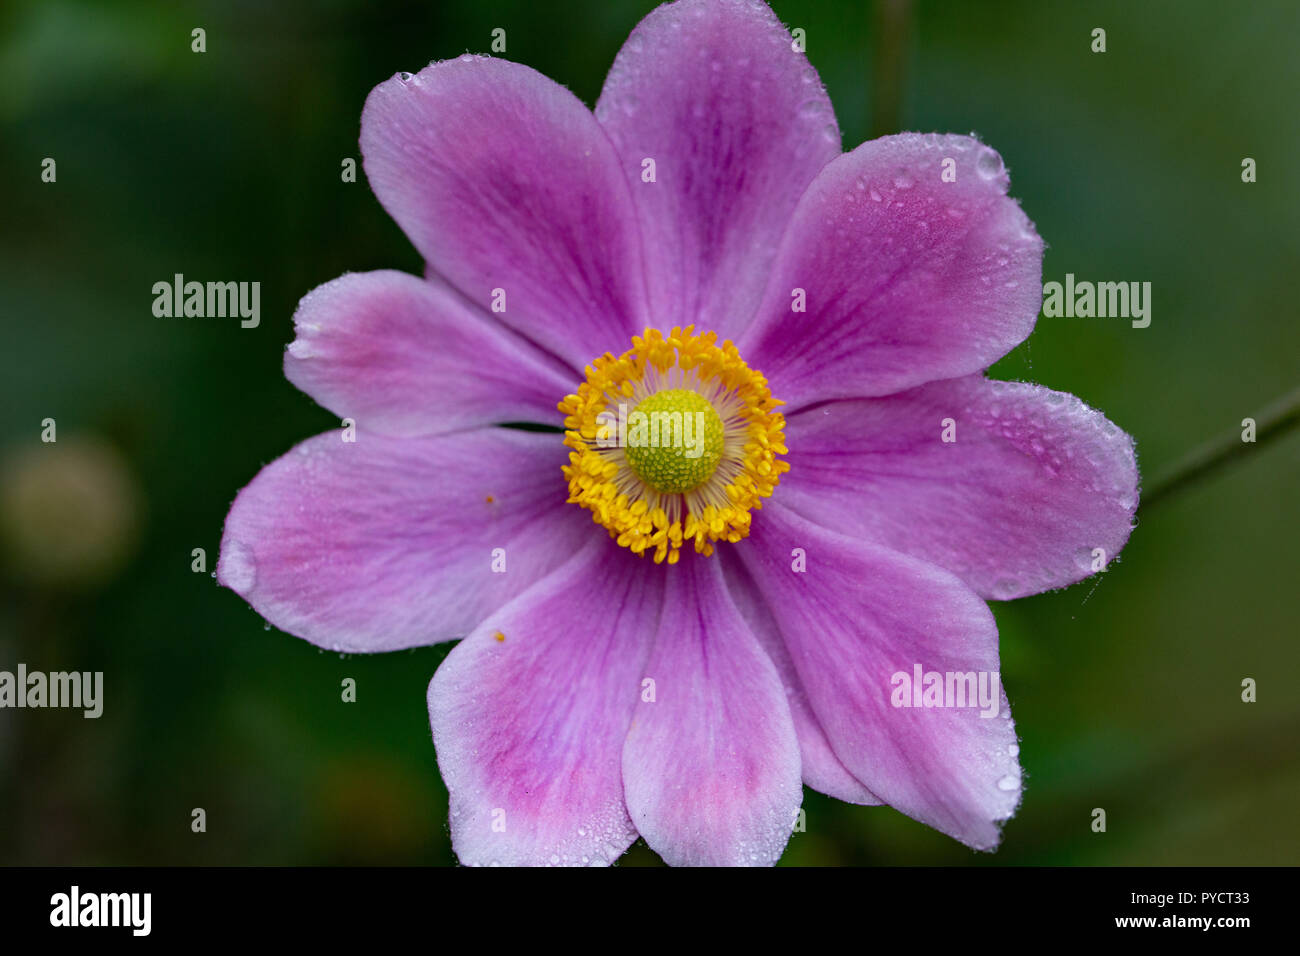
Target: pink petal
{"x": 907, "y": 278}
{"x": 711, "y": 765}
{"x": 504, "y": 180}
{"x": 737, "y": 124}
{"x": 530, "y": 728}
{"x": 858, "y": 615}
{"x": 1035, "y": 482}
{"x": 403, "y": 356}
{"x": 385, "y": 543}
{"x": 821, "y": 769}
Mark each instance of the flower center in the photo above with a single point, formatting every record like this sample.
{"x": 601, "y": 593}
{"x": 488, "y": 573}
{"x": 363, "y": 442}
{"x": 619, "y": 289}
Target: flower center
{"x": 673, "y": 441}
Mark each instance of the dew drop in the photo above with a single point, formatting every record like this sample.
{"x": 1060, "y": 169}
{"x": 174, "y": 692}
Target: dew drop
{"x": 989, "y": 164}
{"x": 239, "y": 568}
{"x": 1008, "y": 783}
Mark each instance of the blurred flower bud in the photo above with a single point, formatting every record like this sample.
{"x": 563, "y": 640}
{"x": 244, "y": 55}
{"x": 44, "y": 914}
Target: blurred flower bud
{"x": 69, "y": 513}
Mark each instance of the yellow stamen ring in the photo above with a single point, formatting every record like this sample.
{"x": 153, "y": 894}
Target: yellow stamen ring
{"x": 702, "y": 483}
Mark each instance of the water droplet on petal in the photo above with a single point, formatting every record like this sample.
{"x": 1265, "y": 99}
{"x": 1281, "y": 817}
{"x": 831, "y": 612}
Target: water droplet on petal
{"x": 238, "y": 568}
{"x": 989, "y": 164}
{"x": 1005, "y": 589}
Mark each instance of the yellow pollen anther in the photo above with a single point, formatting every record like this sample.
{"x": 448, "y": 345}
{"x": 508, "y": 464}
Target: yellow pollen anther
{"x": 673, "y": 442}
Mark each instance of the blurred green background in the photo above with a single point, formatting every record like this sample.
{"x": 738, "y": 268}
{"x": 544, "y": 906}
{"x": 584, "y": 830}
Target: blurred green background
{"x": 226, "y": 165}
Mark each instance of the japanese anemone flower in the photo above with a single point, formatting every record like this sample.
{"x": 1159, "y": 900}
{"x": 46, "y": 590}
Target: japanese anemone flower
{"x": 730, "y": 626}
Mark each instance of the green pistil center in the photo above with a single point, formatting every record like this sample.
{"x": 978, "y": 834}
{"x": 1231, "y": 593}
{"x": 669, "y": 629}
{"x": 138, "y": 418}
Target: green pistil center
{"x": 674, "y": 440}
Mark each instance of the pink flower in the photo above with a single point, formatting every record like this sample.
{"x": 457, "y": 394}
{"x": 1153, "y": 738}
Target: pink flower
{"x": 678, "y": 668}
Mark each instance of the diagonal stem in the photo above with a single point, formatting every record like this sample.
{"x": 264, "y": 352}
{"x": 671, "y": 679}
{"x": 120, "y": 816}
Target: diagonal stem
{"x": 1202, "y": 461}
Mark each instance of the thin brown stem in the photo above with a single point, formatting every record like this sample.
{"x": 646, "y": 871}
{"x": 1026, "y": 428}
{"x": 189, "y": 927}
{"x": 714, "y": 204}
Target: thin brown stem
{"x": 1270, "y": 423}
{"x": 892, "y": 26}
